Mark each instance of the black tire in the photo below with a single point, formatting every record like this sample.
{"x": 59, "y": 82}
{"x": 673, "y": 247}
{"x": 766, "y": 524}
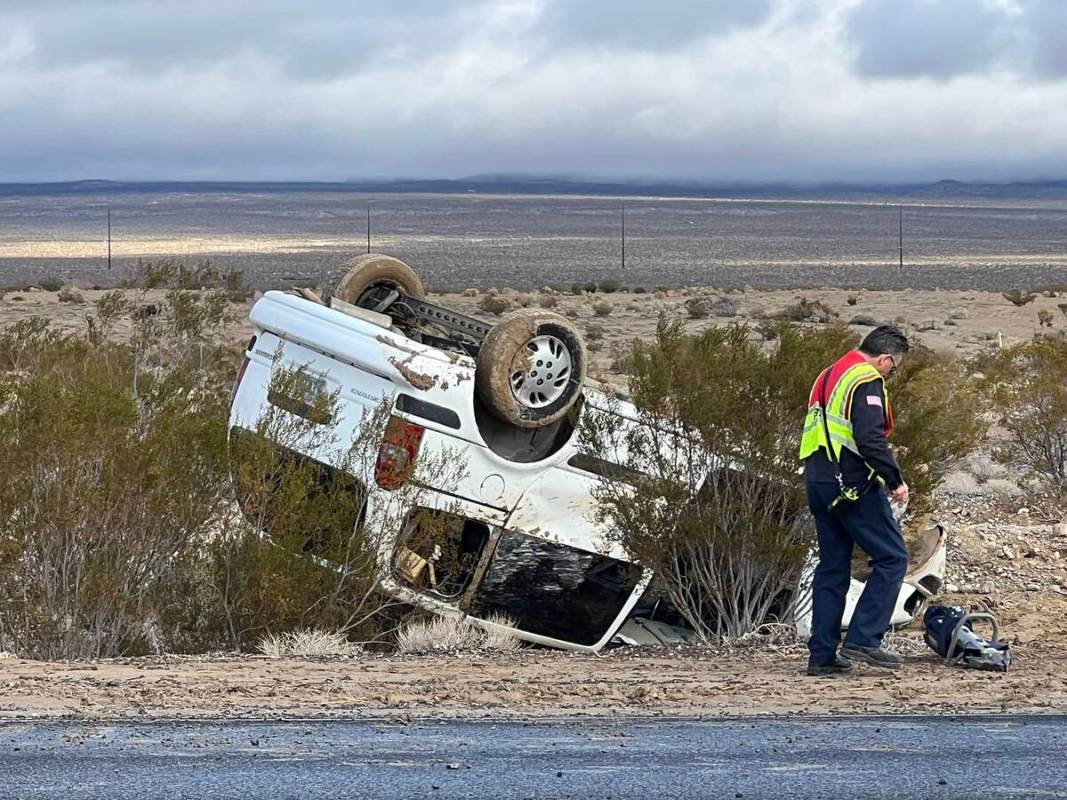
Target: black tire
{"x": 354, "y": 281}
{"x": 519, "y": 350}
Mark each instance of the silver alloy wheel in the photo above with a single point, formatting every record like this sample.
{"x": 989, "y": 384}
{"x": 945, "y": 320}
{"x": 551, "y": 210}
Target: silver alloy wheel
{"x": 547, "y": 372}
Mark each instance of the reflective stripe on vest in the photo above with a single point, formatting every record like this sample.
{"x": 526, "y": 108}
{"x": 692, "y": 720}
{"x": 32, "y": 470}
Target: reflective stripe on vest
{"x": 838, "y": 411}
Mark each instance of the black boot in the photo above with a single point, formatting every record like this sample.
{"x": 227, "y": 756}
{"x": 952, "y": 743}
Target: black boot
{"x": 872, "y": 655}
{"x": 839, "y": 666}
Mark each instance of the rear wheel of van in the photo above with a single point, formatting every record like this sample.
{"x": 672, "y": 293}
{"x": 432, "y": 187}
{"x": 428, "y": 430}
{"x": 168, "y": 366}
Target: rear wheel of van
{"x": 530, "y": 368}
{"x": 368, "y": 280}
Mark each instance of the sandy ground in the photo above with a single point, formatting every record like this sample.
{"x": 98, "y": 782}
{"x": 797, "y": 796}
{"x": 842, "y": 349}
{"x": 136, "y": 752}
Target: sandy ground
{"x": 1007, "y": 554}
{"x": 685, "y": 682}
{"x": 961, "y": 322}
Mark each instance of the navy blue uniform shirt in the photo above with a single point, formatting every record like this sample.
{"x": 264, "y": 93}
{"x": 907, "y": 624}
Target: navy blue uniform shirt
{"x": 868, "y": 429}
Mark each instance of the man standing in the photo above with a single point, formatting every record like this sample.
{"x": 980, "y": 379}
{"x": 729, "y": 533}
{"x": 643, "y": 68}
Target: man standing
{"x": 851, "y": 475}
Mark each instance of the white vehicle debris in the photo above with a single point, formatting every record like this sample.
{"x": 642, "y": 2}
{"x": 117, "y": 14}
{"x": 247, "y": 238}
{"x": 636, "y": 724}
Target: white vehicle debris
{"x": 517, "y": 538}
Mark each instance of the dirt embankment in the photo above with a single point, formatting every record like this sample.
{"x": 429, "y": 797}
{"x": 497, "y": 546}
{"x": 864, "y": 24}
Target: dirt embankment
{"x": 1008, "y": 554}
{"x": 690, "y": 682}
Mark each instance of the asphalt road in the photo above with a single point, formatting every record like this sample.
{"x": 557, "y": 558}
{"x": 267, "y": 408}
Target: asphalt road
{"x": 872, "y": 757}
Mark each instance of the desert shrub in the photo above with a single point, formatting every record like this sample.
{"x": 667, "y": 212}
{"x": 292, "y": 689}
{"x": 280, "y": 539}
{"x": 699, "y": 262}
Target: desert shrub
{"x": 51, "y": 284}
{"x": 469, "y": 293}
{"x": 852, "y": 300}
{"x": 609, "y": 286}
{"x": 577, "y": 288}
{"x": 594, "y": 332}
{"x": 805, "y": 310}
{"x": 308, "y": 643}
{"x": 236, "y": 287}
{"x": 1029, "y": 388}
{"x": 724, "y": 307}
{"x": 70, "y": 294}
{"x": 602, "y": 309}
{"x": 548, "y": 301}
{"x": 114, "y": 459}
{"x": 715, "y": 505}
{"x": 172, "y": 273}
{"x": 697, "y": 308}
{"x": 119, "y": 530}
{"x": 640, "y": 290}
{"x": 934, "y": 430}
{"x": 1063, "y": 308}
{"x": 319, "y": 565}
{"x": 1044, "y": 318}
{"x": 455, "y": 635}
{"x": 864, "y": 320}
{"x": 1019, "y": 298}
{"x": 494, "y": 304}
{"x": 622, "y": 361}
{"x": 439, "y": 635}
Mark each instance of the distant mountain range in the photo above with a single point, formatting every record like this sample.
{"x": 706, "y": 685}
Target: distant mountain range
{"x": 504, "y": 184}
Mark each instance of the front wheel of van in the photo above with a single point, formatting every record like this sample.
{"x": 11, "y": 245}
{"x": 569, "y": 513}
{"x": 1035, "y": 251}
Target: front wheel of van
{"x": 531, "y": 367}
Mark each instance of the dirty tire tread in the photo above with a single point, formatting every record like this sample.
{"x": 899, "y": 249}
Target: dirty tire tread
{"x": 505, "y": 343}
{"x": 355, "y": 275}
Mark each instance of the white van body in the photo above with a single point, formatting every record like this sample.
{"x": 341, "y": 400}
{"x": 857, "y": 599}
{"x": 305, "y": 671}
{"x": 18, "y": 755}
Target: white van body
{"x": 544, "y": 507}
{"x": 569, "y": 585}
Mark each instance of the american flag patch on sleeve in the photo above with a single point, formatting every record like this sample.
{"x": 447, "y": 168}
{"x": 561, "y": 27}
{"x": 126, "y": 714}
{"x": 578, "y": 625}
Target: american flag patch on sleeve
{"x": 874, "y": 400}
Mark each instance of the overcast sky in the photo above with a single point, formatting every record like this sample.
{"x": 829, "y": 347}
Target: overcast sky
{"x": 707, "y": 90}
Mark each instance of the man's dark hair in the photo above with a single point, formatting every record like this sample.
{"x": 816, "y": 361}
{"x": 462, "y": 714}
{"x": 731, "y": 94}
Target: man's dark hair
{"x": 885, "y": 339}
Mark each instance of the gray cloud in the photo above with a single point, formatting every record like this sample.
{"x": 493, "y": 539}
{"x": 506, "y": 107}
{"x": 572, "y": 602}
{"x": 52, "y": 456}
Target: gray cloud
{"x": 644, "y": 25}
{"x": 943, "y": 39}
{"x": 928, "y": 38}
{"x": 767, "y": 90}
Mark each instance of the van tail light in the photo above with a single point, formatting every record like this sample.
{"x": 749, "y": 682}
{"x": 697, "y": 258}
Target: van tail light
{"x": 241, "y": 371}
{"x": 397, "y": 453}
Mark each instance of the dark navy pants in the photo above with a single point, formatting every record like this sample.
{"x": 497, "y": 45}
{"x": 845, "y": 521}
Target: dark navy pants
{"x": 868, "y": 523}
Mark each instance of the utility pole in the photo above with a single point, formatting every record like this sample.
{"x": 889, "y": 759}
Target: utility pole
{"x": 900, "y": 234}
{"x": 368, "y": 227}
{"x": 109, "y": 238}
{"x": 622, "y": 219}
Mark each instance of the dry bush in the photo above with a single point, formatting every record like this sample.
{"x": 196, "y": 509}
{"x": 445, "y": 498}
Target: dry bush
{"x": 852, "y": 300}
{"x": 114, "y": 470}
{"x": 934, "y": 430}
{"x": 469, "y": 293}
{"x": 548, "y": 301}
{"x": 500, "y": 636}
{"x": 318, "y": 565}
{"x": 453, "y": 635}
{"x": 609, "y": 286}
{"x": 51, "y": 284}
{"x": 308, "y": 643}
{"x": 172, "y": 273}
{"x": 864, "y": 320}
{"x": 1019, "y": 298}
{"x": 594, "y": 332}
{"x": 697, "y": 308}
{"x": 1044, "y": 318}
{"x": 70, "y": 294}
{"x": 602, "y": 309}
{"x": 1029, "y": 388}
{"x": 494, "y": 304}
{"x": 440, "y": 635}
{"x": 1063, "y": 308}
{"x": 118, "y": 528}
{"x": 716, "y": 507}
{"x": 805, "y": 310}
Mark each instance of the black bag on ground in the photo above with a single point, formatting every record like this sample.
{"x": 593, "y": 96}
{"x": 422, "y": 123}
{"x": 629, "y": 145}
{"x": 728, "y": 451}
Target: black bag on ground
{"x": 970, "y": 650}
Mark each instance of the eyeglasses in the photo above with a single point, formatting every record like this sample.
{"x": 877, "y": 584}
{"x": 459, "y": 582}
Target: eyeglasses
{"x": 893, "y": 359}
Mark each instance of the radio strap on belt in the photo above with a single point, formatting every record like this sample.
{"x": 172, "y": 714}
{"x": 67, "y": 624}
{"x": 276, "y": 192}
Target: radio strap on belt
{"x": 849, "y": 493}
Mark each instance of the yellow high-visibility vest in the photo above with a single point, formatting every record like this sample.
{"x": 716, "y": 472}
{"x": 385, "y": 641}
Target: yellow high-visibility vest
{"x": 838, "y": 411}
